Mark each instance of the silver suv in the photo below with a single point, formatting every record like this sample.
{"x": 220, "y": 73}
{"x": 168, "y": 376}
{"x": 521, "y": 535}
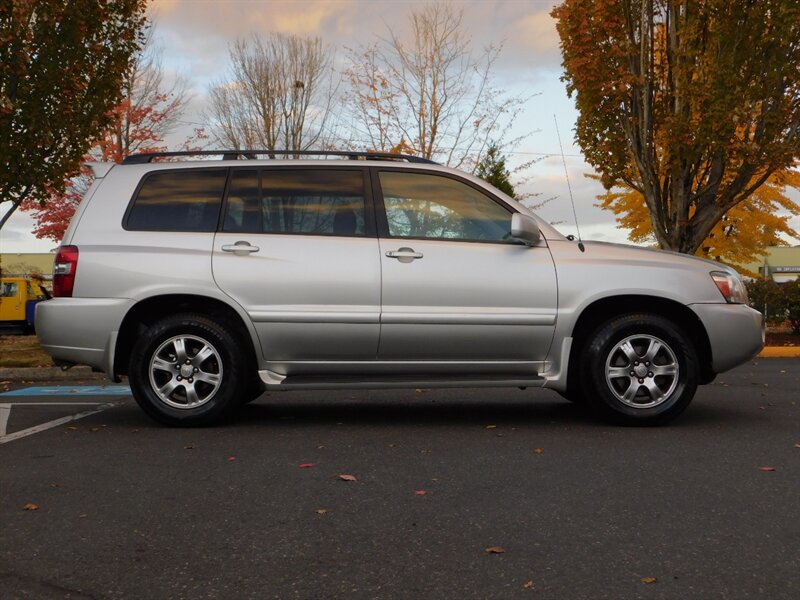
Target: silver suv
{"x": 209, "y": 281}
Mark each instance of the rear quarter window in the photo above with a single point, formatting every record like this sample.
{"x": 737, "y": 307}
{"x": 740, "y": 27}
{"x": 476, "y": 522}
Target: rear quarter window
{"x": 184, "y": 200}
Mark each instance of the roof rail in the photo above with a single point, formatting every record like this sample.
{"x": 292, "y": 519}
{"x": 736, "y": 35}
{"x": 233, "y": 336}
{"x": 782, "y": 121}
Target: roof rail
{"x": 144, "y": 158}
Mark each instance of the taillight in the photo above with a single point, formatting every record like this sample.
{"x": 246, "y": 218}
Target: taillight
{"x": 64, "y": 268}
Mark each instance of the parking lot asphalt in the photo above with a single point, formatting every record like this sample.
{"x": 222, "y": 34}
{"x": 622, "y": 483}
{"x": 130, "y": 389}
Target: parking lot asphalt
{"x": 454, "y": 494}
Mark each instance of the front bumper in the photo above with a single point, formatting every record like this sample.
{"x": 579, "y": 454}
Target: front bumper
{"x": 735, "y": 332}
{"x": 81, "y": 330}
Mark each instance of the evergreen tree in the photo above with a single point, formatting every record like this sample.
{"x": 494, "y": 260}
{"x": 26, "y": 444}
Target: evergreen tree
{"x": 492, "y": 169}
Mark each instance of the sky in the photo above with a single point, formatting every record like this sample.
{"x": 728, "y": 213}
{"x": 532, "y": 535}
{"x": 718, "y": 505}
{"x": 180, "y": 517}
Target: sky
{"x": 195, "y": 36}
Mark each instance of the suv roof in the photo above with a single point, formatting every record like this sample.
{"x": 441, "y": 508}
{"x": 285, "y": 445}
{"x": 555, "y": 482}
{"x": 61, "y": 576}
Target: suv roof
{"x": 144, "y": 158}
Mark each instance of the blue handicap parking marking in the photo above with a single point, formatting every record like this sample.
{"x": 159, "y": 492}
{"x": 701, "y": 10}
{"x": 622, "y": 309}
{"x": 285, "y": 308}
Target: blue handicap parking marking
{"x": 72, "y": 390}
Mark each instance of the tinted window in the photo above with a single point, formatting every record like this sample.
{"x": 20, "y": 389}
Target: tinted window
{"x": 243, "y": 210}
{"x": 309, "y": 201}
{"x": 430, "y": 206}
{"x": 186, "y": 200}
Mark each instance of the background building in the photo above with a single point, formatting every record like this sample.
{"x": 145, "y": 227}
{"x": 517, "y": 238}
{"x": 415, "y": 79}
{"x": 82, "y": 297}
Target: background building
{"x": 781, "y": 263}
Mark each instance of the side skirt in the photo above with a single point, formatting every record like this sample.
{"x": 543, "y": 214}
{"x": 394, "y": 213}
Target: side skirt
{"x": 273, "y": 381}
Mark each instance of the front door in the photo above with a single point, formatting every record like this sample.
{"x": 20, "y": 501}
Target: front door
{"x": 455, "y": 286}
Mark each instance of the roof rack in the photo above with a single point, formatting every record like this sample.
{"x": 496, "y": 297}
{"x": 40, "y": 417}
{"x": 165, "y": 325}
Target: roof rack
{"x": 144, "y": 158}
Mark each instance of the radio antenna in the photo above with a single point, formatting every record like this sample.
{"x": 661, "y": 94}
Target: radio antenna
{"x": 569, "y": 187}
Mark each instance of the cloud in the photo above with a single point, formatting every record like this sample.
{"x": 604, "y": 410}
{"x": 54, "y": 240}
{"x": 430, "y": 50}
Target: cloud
{"x": 200, "y": 31}
{"x": 534, "y": 37}
{"x": 16, "y": 235}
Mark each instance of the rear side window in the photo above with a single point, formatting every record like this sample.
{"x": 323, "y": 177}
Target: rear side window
{"x": 185, "y": 200}
{"x": 297, "y": 201}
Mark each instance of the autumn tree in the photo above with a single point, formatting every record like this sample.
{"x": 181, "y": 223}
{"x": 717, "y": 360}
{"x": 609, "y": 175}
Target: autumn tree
{"x": 740, "y": 237}
{"x": 693, "y": 104}
{"x": 280, "y": 94}
{"x": 432, "y": 94}
{"x": 150, "y": 109}
{"x": 61, "y": 67}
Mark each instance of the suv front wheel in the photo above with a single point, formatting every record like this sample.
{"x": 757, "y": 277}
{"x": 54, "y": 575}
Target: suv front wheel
{"x": 639, "y": 369}
{"x": 187, "y": 370}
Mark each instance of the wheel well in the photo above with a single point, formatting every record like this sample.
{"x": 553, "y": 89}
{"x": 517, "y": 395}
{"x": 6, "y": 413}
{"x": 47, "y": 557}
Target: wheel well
{"x": 600, "y": 311}
{"x": 147, "y": 312}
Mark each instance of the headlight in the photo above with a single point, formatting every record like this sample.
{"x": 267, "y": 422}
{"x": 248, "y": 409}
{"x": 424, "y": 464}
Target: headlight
{"x": 730, "y": 286}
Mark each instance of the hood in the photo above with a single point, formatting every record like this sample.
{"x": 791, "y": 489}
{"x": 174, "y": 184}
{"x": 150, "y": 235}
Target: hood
{"x": 629, "y": 252}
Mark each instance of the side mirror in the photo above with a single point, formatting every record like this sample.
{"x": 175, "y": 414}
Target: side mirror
{"x": 525, "y": 229}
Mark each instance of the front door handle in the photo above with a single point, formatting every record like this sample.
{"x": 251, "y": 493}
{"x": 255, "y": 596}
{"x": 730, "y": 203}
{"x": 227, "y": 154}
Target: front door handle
{"x": 240, "y": 248}
{"x": 404, "y": 255}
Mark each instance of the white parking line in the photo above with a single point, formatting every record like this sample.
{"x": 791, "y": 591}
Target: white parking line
{"x": 5, "y": 411}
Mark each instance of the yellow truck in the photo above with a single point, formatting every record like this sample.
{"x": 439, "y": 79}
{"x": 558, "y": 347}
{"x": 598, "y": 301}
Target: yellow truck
{"x": 18, "y": 300}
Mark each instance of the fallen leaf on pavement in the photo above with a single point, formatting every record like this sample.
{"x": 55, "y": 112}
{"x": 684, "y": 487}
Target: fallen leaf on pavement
{"x": 495, "y": 550}
{"x": 491, "y": 427}
{"x": 321, "y": 511}
{"x": 538, "y": 450}
{"x": 420, "y": 492}
{"x": 766, "y": 469}
{"x": 346, "y": 477}
{"x": 231, "y": 458}
{"x": 649, "y": 579}
{"x": 797, "y": 445}
{"x": 82, "y": 516}
{"x": 30, "y": 506}
{"x": 528, "y": 585}
{"x": 72, "y": 428}
{"x": 306, "y": 465}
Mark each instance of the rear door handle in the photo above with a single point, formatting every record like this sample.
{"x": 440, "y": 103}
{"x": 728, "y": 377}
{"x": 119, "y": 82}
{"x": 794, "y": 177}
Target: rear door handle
{"x": 404, "y": 255}
{"x": 240, "y": 248}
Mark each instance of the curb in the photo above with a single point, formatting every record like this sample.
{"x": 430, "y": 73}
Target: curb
{"x": 48, "y": 373}
{"x": 780, "y": 352}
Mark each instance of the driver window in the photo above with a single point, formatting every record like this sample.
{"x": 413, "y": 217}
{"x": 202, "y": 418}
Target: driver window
{"x": 429, "y": 206}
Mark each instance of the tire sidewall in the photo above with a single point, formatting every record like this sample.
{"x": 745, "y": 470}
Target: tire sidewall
{"x": 593, "y": 367}
{"x": 230, "y": 356}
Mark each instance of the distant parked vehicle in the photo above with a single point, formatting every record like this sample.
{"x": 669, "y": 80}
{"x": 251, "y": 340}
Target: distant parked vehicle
{"x": 207, "y": 282}
{"x": 18, "y": 299}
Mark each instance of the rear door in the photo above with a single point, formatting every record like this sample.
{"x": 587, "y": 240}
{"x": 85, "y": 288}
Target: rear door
{"x": 298, "y": 250}
{"x": 455, "y": 287}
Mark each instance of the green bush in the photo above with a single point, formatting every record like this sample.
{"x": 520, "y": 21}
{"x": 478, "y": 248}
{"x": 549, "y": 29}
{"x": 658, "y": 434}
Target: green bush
{"x": 769, "y": 298}
{"x": 791, "y": 292}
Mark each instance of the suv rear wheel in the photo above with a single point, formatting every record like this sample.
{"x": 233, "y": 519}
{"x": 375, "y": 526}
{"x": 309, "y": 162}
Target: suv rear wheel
{"x": 639, "y": 369}
{"x": 187, "y": 370}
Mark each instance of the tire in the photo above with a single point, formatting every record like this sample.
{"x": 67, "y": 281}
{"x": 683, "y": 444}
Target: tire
{"x": 252, "y": 394}
{"x": 574, "y": 396}
{"x": 639, "y": 369}
{"x": 165, "y": 363}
